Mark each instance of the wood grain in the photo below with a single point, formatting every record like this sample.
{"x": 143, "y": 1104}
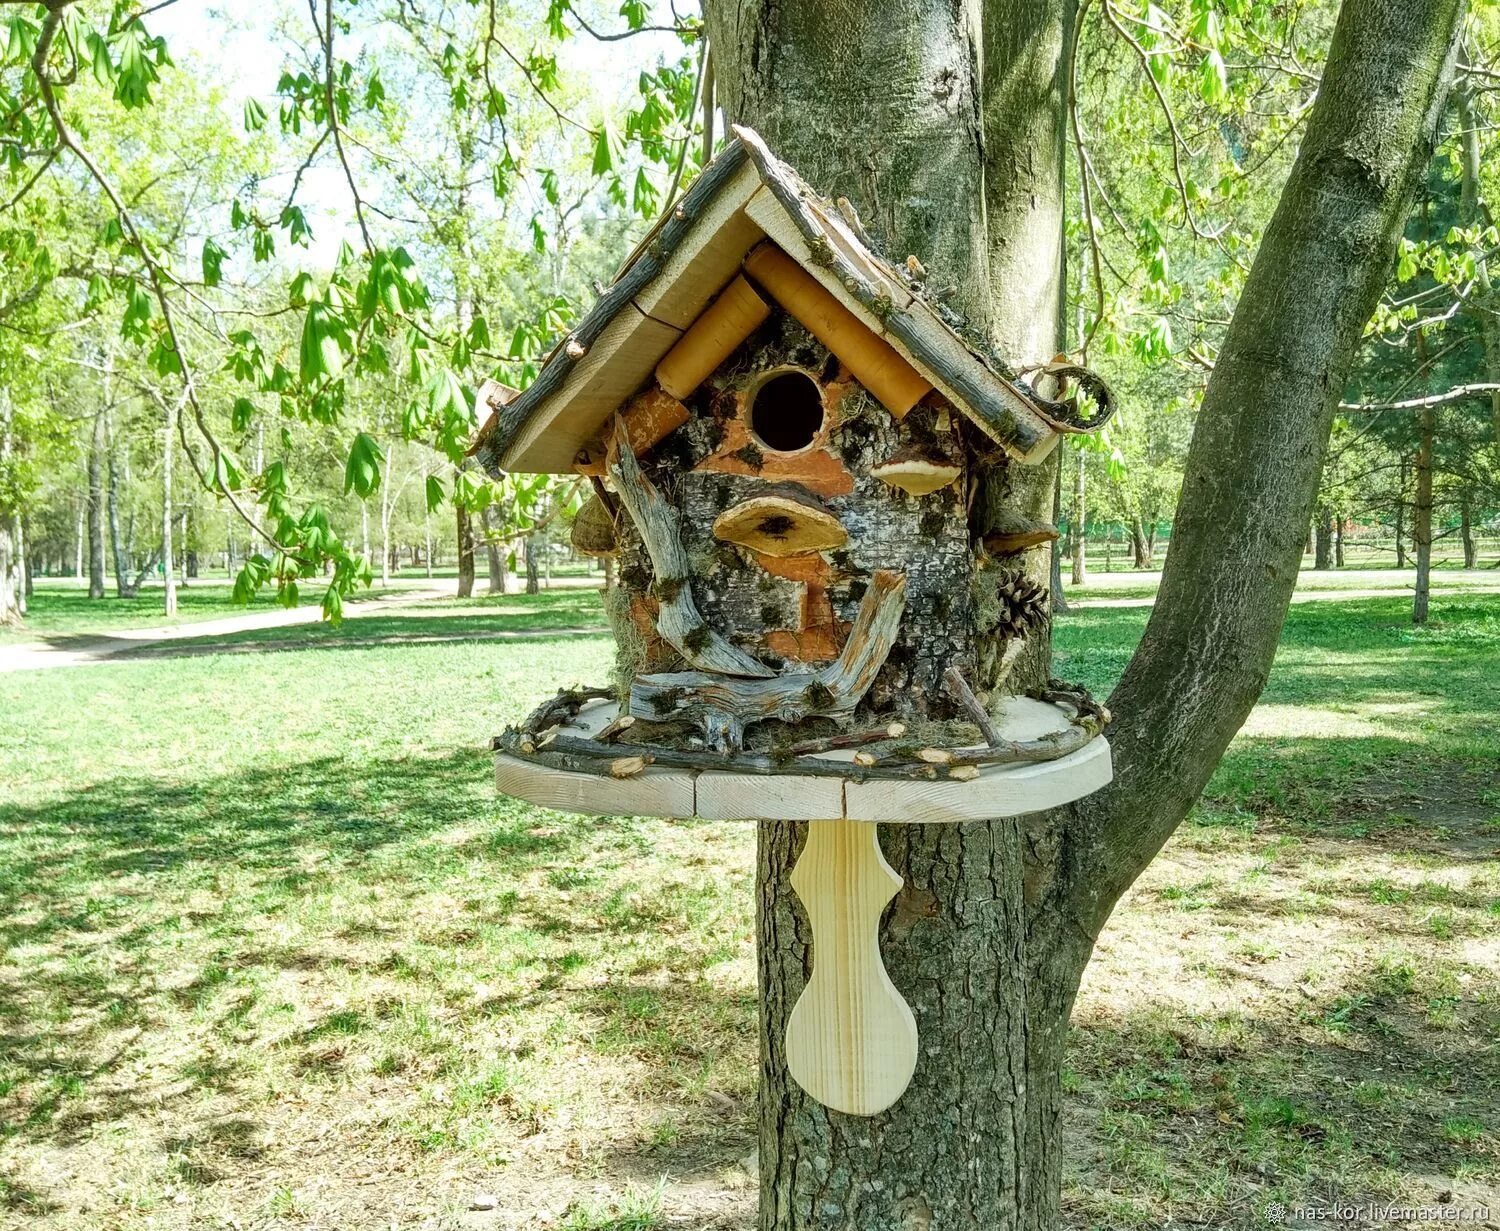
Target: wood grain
{"x": 851, "y": 1041}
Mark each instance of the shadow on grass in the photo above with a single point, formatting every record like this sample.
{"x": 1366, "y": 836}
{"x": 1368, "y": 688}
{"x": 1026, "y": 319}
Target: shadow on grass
{"x": 1350, "y": 1096}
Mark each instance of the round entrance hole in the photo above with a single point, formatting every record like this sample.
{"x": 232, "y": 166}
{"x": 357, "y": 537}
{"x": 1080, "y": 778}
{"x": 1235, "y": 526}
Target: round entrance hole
{"x": 786, "y": 412}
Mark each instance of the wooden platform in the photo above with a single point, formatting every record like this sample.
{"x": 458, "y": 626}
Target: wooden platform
{"x": 1000, "y": 790}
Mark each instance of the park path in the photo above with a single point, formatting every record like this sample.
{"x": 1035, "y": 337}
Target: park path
{"x": 84, "y": 649}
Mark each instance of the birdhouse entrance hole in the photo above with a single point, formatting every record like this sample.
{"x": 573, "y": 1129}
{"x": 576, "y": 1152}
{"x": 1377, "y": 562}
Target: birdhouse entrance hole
{"x": 786, "y": 411}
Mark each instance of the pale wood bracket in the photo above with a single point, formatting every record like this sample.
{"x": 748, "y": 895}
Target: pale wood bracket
{"x": 851, "y": 1041}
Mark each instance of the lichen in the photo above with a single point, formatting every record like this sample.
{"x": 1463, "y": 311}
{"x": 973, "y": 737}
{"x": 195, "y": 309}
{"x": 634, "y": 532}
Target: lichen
{"x": 630, "y": 646}
{"x": 751, "y": 456}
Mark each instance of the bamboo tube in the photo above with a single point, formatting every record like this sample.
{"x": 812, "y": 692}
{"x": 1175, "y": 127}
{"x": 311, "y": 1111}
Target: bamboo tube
{"x": 875, "y": 362}
{"x": 649, "y": 418}
{"x": 724, "y": 324}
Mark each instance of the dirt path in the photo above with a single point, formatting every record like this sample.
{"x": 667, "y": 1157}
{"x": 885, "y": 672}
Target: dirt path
{"x": 84, "y": 649}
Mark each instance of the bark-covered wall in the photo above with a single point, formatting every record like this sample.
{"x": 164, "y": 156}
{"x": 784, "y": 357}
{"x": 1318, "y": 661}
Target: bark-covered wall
{"x": 798, "y": 609}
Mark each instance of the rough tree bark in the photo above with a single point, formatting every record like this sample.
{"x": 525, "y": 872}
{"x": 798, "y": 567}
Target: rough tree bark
{"x": 944, "y": 124}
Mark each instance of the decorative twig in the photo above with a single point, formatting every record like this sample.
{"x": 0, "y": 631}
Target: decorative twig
{"x": 964, "y": 695}
{"x": 850, "y": 739}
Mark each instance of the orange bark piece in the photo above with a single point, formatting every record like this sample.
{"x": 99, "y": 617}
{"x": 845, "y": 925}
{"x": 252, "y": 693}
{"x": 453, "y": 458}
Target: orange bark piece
{"x": 649, "y": 418}
{"x": 816, "y": 468}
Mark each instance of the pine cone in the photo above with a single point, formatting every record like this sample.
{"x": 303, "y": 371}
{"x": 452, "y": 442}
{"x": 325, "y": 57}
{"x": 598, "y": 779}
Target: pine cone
{"x": 1023, "y": 606}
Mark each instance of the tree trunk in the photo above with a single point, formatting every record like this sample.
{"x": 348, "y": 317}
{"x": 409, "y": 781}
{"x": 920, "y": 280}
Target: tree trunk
{"x": 1054, "y": 552}
{"x": 1080, "y": 520}
{"x": 1338, "y": 542}
{"x": 168, "y": 573}
{"x": 1422, "y": 517}
{"x": 124, "y": 587}
{"x": 1401, "y": 515}
{"x": 10, "y": 606}
{"x": 493, "y": 551}
{"x": 1323, "y": 539}
{"x": 533, "y": 572}
{"x": 1139, "y": 544}
{"x": 385, "y": 530}
{"x": 96, "y": 509}
{"x": 1466, "y": 530}
{"x": 465, "y": 553}
{"x": 962, "y": 166}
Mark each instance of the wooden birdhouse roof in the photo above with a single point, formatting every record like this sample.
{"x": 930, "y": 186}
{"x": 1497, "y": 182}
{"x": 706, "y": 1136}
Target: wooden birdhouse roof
{"x": 743, "y": 198}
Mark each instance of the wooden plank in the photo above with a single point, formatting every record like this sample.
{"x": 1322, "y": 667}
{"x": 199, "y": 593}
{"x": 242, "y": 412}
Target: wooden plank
{"x": 1009, "y": 790}
{"x": 708, "y": 256}
{"x": 786, "y": 797}
{"x": 618, "y": 364}
{"x": 645, "y": 263}
{"x": 654, "y": 792}
{"x": 851, "y": 1041}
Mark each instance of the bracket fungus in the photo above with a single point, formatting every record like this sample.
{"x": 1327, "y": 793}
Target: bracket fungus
{"x": 781, "y": 525}
{"x": 916, "y": 470}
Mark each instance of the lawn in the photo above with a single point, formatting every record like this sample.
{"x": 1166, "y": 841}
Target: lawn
{"x": 276, "y": 955}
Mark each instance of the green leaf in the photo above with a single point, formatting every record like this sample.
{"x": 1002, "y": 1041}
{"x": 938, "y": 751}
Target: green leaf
{"x": 99, "y": 59}
{"x": 243, "y": 412}
{"x": 213, "y": 262}
{"x": 609, "y": 151}
{"x": 434, "y": 492}
{"x": 255, "y": 115}
{"x": 321, "y": 353}
{"x": 362, "y": 471}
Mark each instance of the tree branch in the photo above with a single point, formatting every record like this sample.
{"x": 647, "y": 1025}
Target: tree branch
{"x": 1253, "y": 468}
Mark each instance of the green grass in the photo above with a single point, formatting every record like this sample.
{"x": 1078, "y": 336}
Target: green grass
{"x": 64, "y": 607}
{"x": 276, "y": 954}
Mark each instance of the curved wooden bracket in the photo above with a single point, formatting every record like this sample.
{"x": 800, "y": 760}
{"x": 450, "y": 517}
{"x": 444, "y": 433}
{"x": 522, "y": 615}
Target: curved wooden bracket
{"x": 851, "y": 1041}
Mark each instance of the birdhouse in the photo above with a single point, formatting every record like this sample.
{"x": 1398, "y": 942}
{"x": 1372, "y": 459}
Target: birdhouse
{"x": 783, "y": 433}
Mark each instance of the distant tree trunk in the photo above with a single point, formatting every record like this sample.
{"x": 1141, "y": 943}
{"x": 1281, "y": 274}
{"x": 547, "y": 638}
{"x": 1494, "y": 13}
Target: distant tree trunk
{"x": 10, "y": 602}
{"x": 168, "y": 567}
{"x": 1422, "y": 518}
{"x": 1054, "y": 552}
{"x": 124, "y": 587}
{"x": 494, "y": 553}
{"x": 1080, "y": 521}
{"x": 385, "y": 534}
{"x": 1323, "y": 539}
{"x": 465, "y": 553}
{"x": 1401, "y": 515}
{"x": 79, "y": 538}
{"x": 1140, "y": 545}
{"x": 533, "y": 570}
{"x": 95, "y": 509}
{"x": 427, "y": 546}
{"x": 1466, "y": 530}
{"x": 1338, "y": 542}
